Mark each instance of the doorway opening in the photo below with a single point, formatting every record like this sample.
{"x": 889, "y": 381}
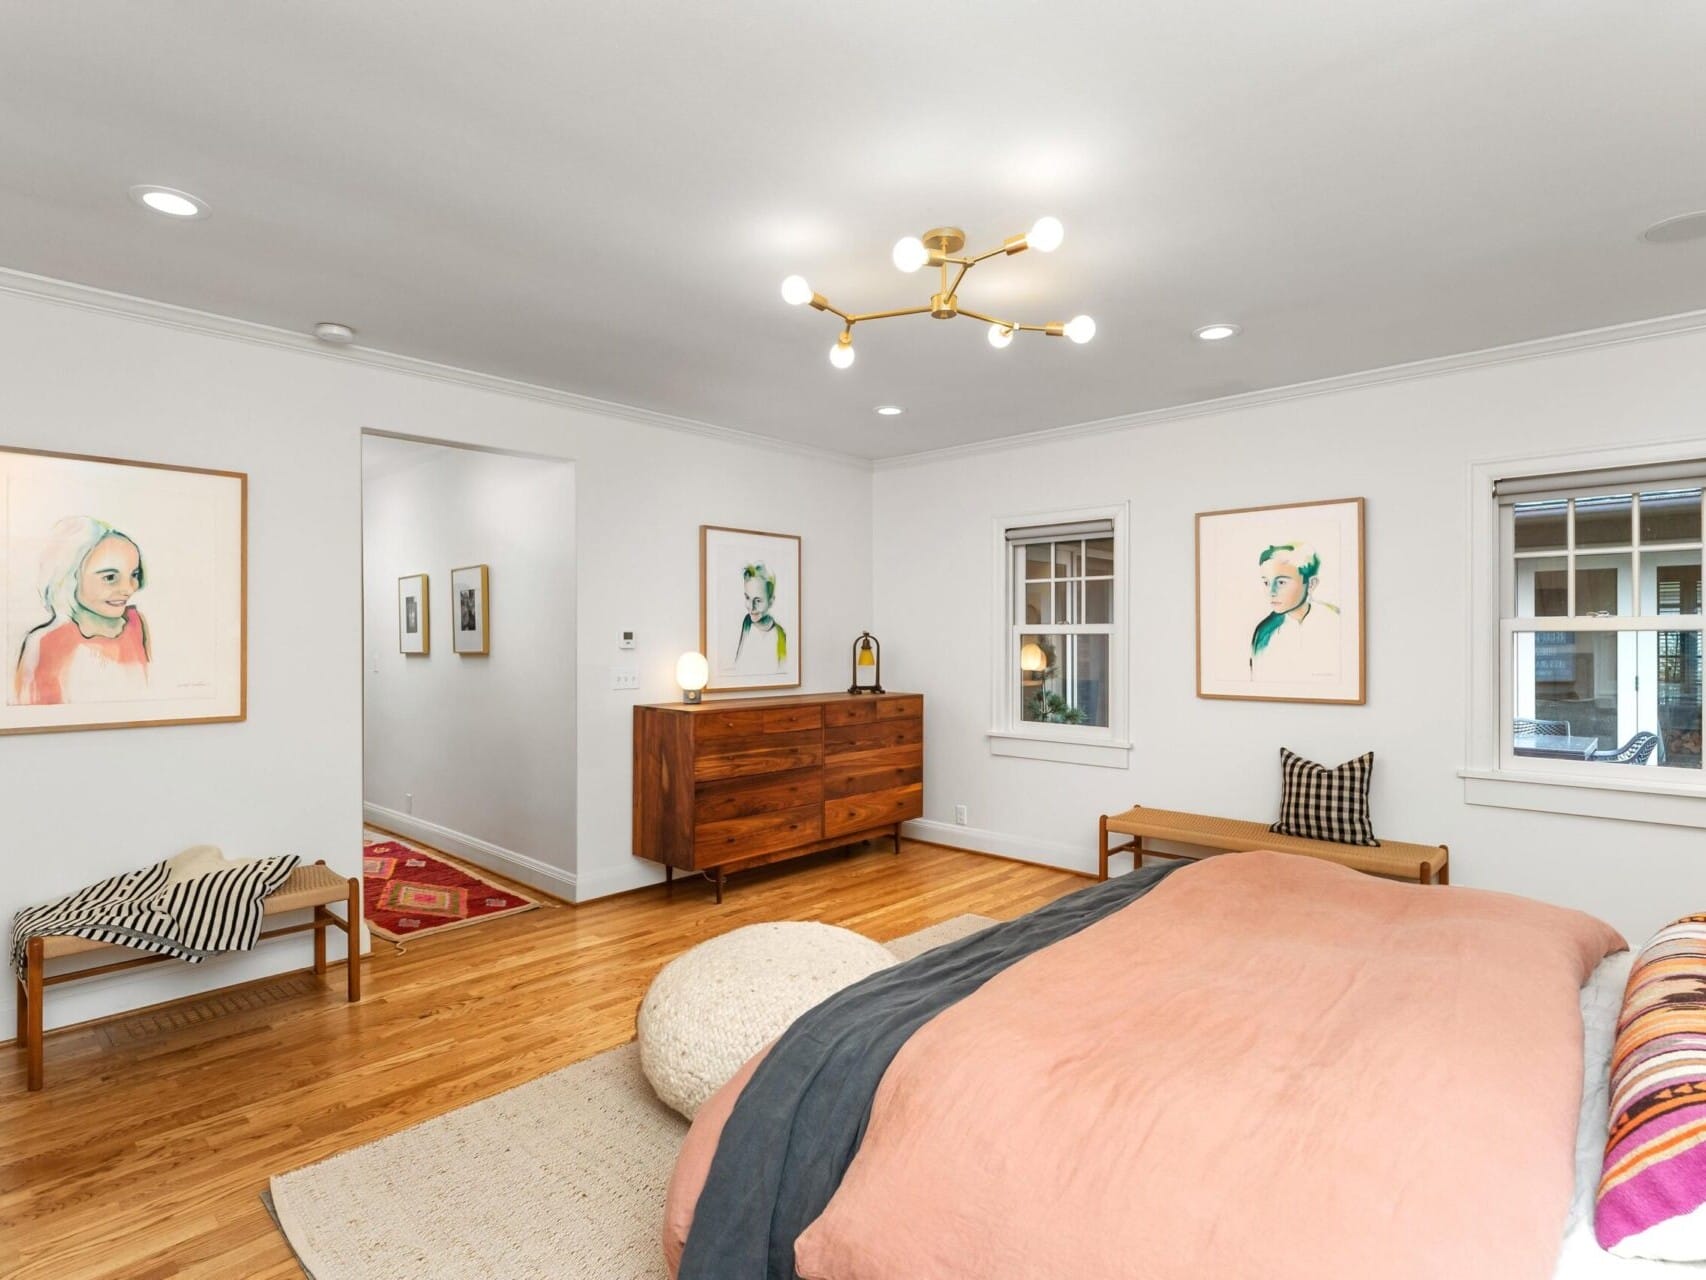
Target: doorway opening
{"x": 468, "y": 697}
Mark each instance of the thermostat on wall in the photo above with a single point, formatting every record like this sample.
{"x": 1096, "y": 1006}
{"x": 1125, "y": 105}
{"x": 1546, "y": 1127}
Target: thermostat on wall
{"x": 625, "y": 640}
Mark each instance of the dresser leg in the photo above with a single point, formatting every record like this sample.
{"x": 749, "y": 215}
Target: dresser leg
{"x": 897, "y": 839}
{"x": 720, "y": 874}
{"x": 668, "y": 880}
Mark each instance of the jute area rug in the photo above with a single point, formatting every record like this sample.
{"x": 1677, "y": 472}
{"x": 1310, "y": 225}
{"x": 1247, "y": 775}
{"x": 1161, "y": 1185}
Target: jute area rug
{"x": 562, "y": 1178}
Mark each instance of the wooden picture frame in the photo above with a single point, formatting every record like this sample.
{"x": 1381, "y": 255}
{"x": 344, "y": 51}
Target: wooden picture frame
{"x": 1263, "y": 574}
{"x": 750, "y": 649}
{"x": 470, "y": 611}
{"x": 414, "y": 625}
{"x": 174, "y": 537}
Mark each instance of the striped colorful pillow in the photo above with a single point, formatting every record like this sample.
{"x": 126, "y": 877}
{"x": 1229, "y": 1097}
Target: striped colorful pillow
{"x": 1652, "y": 1192}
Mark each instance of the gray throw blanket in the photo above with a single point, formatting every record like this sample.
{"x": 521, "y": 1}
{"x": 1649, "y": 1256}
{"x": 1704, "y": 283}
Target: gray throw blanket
{"x": 799, "y": 1122}
{"x": 197, "y": 917}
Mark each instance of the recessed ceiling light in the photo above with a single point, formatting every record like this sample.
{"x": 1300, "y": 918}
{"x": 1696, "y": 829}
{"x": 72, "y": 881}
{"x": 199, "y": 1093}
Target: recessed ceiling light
{"x": 1217, "y": 332}
{"x": 1685, "y": 226}
{"x": 338, "y": 334}
{"x": 889, "y": 410}
{"x": 169, "y": 201}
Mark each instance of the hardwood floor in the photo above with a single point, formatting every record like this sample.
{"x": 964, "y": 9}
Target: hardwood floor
{"x": 146, "y": 1155}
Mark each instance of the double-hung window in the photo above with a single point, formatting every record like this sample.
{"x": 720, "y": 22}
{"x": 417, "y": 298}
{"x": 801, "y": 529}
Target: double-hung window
{"x": 1061, "y": 672}
{"x": 1600, "y": 625}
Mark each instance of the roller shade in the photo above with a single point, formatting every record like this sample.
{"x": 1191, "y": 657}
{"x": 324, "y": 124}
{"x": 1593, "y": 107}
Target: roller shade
{"x": 1053, "y": 532}
{"x": 1687, "y": 474}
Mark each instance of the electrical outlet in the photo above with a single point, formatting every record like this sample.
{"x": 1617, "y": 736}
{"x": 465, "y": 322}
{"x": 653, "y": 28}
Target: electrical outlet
{"x": 624, "y": 678}
{"x": 959, "y": 815}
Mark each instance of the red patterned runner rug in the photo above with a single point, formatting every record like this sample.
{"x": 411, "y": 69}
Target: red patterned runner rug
{"x": 408, "y": 892}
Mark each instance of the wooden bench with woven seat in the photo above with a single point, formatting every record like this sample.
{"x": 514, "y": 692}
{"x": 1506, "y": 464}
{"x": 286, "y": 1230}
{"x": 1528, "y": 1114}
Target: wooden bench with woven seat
{"x": 312, "y": 885}
{"x": 1396, "y": 860}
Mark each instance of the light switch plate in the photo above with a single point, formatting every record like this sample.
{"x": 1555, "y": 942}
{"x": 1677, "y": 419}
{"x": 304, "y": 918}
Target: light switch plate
{"x": 622, "y": 678}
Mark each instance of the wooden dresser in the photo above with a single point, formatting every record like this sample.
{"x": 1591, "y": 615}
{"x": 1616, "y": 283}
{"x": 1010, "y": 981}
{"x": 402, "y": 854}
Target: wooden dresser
{"x": 722, "y": 786}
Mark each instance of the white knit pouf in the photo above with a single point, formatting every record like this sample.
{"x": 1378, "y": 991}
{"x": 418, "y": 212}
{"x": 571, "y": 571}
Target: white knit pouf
{"x": 713, "y": 1007}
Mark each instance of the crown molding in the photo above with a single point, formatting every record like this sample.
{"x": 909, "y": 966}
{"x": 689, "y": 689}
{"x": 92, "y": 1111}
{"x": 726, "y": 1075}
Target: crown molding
{"x": 169, "y": 315}
{"x": 1512, "y": 353}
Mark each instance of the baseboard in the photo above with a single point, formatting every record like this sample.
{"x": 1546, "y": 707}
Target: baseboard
{"x": 482, "y": 853}
{"x": 1045, "y": 853}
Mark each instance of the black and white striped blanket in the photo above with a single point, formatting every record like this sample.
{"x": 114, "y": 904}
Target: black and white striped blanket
{"x": 191, "y": 920}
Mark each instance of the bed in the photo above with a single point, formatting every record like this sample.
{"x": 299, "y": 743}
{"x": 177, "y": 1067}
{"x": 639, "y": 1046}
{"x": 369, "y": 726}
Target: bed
{"x": 1378, "y": 1081}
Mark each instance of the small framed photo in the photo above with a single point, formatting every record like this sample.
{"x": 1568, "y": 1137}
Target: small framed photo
{"x": 122, "y": 593}
{"x": 749, "y": 608}
{"x": 470, "y": 611}
{"x": 414, "y": 623}
{"x": 1280, "y": 614}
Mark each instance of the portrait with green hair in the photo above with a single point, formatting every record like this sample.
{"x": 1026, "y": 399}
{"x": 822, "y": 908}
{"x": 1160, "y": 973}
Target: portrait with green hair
{"x": 1291, "y": 574}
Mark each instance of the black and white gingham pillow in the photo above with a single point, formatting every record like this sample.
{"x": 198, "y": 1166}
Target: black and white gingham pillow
{"x": 1325, "y": 804}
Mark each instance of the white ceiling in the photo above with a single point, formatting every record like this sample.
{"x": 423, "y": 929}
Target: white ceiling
{"x": 604, "y": 197}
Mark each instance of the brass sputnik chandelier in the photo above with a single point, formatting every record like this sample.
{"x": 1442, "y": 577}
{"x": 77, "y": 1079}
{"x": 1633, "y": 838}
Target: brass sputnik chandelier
{"x": 941, "y": 248}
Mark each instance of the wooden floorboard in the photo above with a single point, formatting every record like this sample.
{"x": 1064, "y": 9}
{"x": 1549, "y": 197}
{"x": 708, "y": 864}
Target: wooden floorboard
{"x": 147, "y": 1152}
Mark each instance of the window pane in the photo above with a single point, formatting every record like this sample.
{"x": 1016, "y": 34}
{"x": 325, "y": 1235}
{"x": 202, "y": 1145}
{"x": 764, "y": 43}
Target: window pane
{"x": 1099, "y": 557}
{"x": 1069, "y": 602}
{"x": 1037, "y": 595}
{"x": 1605, "y": 522}
{"x": 1602, "y": 586}
{"x": 1672, "y": 515}
{"x": 1069, "y": 559}
{"x": 1670, "y": 582}
{"x": 1038, "y": 557}
{"x": 1063, "y": 679}
{"x": 1608, "y": 697}
{"x": 1099, "y": 600}
{"x": 1540, "y": 525}
{"x": 1679, "y": 698}
{"x": 1542, "y": 587}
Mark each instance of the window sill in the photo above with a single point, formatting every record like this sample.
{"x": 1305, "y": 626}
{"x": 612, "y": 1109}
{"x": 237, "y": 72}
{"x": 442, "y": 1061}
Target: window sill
{"x": 1668, "y": 805}
{"x": 1104, "y": 753}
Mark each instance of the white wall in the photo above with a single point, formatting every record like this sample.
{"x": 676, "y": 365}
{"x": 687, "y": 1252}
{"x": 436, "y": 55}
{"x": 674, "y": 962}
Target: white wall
{"x": 1405, "y": 446}
{"x": 474, "y": 754}
{"x": 80, "y": 806}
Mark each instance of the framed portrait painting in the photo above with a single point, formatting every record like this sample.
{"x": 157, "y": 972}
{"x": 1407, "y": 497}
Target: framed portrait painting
{"x": 122, "y": 593}
{"x": 470, "y": 611}
{"x": 1280, "y": 614}
{"x": 749, "y": 608}
{"x": 414, "y": 623}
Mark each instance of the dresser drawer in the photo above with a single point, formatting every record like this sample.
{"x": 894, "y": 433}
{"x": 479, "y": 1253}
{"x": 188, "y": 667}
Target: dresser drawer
{"x": 762, "y": 753}
{"x": 873, "y": 771}
{"x": 865, "y": 710}
{"x": 879, "y": 735}
{"x": 766, "y": 793}
{"x": 878, "y": 809}
{"x": 714, "y": 726}
{"x": 735, "y": 838}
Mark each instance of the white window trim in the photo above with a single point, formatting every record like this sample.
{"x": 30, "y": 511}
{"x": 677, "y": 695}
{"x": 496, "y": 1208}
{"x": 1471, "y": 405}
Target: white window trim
{"x": 1488, "y": 778}
{"x": 1108, "y": 747}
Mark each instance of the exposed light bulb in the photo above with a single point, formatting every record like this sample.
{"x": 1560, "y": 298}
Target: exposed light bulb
{"x": 841, "y": 354}
{"x": 796, "y": 291}
{"x": 1081, "y": 329}
{"x": 1045, "y": 235}
{"x": 910, "y": 253}
{"x": 1000, "y": 336}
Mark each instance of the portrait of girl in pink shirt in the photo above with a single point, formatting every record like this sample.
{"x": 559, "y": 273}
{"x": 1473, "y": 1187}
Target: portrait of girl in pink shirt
{"x": 94, "y": 645}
